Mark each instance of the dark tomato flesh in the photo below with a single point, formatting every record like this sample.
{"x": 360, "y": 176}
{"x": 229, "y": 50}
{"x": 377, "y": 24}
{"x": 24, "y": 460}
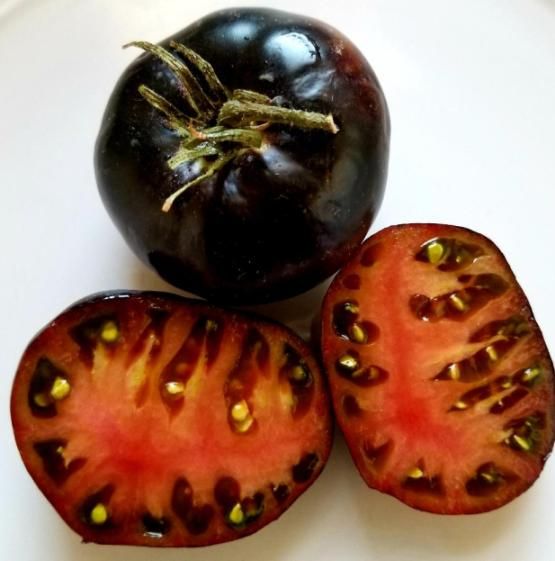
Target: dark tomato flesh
{"x": 276, "y": 219}
{"x": 440, "y": 377}
{"x": 147, "y": 419}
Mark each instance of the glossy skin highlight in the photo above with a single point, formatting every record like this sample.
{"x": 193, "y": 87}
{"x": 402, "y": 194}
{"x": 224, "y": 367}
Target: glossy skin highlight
{"x": 277, "y": 220}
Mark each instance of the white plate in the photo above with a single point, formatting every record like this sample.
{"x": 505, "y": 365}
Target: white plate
{"x": 471, "y": 89}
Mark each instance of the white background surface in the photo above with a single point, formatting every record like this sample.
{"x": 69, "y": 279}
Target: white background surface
{"x": 471, "y": 90}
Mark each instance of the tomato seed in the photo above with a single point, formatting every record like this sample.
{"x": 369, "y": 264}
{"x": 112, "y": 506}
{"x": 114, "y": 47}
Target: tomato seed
{"x": 109, "y": 332}
{"x": 60, "y": 388}
{"x": 448, "y": 254}
{"x": 48, "y": 384}
{"x": 94, "y": 509}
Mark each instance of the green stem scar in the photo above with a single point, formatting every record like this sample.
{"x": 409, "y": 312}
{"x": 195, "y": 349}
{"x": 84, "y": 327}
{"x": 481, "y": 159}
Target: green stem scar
{"x": 224, "y": 124}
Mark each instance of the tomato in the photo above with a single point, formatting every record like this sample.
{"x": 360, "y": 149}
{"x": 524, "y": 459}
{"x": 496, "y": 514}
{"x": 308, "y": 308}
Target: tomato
{"x": 147, "y": 419}
{"x": 441, "y": 380}
{"x": 246, "y": 159}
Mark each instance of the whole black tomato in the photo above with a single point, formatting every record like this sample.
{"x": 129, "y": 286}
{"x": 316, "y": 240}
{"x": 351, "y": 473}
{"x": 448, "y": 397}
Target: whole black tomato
{"x": 245, "y": 157}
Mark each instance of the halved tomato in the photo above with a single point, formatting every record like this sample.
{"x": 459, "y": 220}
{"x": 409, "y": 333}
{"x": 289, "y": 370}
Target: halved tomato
{"x": 153, "y": 420}
{"x": 440, "y": 377}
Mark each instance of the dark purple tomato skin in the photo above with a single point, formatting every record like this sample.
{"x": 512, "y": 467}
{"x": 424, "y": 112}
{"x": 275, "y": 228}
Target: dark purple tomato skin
{"x": 274, "y": 222}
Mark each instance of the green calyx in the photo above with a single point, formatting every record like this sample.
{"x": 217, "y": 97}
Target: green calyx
{"x": 223, "y": 124}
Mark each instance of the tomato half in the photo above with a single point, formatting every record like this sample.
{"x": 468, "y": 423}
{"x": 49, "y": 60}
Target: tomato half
{"x": 148, "y": 419}
{"x": 441, "y": 380}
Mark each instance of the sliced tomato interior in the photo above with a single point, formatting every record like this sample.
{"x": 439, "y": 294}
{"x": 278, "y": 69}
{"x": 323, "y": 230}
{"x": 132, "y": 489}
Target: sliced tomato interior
{"x": 148, "y": 419}
{"x": 440, "y": 377}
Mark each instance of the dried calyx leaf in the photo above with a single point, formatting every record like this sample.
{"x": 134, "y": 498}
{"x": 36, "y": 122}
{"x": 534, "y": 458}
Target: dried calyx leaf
{"x": 222, "y": 125}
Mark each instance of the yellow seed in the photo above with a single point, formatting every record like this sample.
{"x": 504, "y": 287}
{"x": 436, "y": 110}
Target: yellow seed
{"x": 174, "y": 388}
{"x": 348, "y": 362}
{"x": 240, "y": 411}
{"x": 236, "y": 515}
{"x": 42, "y": 399}
{"x": 245, "y": 425}
{"x": 434, "y": 252}
{"x": 211, "y": 325}
{"x": 351, "y": 307}
{"x": 415, "y": 473}
{"x": 454, "y": 371}
{"x": 523, "y": 443}
{"x": 487, "y": 476}
{"x": 507, "y": 384}
{"x": 357, "y": 333}
{"x": 298, "y": 373}
{"x": 492, "y": 353}
{"x": 460, "y": 405}
{"x": 530, "y": 374}
{"x": 99, "y": 514}
{"x": 109, "y": 332}
{"x": 457, "y": 302}
{"x": 60, "y": 388}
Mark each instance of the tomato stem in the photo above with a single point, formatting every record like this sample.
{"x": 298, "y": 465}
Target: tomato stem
{"x": 246, "y": 113}
{"x": 241, "y": 118}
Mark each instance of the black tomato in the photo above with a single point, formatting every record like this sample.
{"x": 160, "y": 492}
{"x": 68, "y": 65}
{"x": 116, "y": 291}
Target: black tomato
{"x": 245, "y": 157}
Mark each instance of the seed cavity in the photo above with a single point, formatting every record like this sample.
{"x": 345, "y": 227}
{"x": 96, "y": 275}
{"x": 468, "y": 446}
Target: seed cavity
{"x": 54, "y": 459}
{"x": 155, "y": 527}
{"x": 370, "y": 255}
{"x": 281, "y": 492}
{"x": 296, "y": 373}
{"x": 196, "y": 518}
{"x": 351, "y": 407}
{"x": 95, "y": 510}
{"x": 348, "y": 325}
{"x": 417, "y": 480}
{"x": 304, "y": 469}
{"x": 487, "y": 480}
{"x": 87, "y": 334}
{"x": 237, "y": 512}
{"x": 49, "y": 385}
{"x": 508, "y": 401}
{"x": 514, "y": 327}
{"x": 498, "y": 391}
{"x": 348, "y": 367}
{"x": 376, "y": 456}
{"x": 478, "y": 291}
{"x": 477, "y": 366}
{"x": 525, "y": 434}
{"x": 176, "y": 374}
{"x": 448, "y": 254}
